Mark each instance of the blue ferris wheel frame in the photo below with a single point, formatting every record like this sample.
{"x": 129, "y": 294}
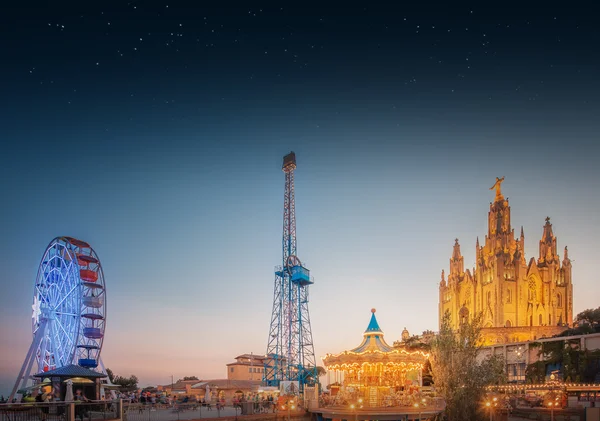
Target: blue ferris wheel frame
{"x": 61, "y": 306}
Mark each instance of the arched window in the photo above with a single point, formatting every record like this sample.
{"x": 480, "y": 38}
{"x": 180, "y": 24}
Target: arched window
{"x": 464, "y": 315}
{"x": 540, "y": 319}
{"x": 559, "y": 300}
{"x": 508, "y": 296}
{"x": 508, "y": 324}
{"x": 530, "y": 320}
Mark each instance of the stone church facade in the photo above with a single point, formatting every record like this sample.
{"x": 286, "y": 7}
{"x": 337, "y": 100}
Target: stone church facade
{"x": 520, "y": 300}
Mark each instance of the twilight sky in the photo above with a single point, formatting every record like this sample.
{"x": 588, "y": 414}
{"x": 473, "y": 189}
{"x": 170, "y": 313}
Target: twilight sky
{"x": 155, "y": 132}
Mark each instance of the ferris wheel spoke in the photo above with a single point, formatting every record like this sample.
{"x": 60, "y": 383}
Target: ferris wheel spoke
{"x": 65, "y": 331}
{"x": 66, "y": 296}
{"x": 66, "y": 314}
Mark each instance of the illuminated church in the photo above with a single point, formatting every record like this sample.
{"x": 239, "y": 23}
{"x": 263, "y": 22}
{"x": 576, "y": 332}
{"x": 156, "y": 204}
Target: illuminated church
{"x": 520, "y": 300}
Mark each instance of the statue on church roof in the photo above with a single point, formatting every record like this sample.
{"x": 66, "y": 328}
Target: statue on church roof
{"x": 497, "y": 185}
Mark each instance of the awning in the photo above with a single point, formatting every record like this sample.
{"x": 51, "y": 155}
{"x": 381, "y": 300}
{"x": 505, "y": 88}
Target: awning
{"x": 35, "y": 386}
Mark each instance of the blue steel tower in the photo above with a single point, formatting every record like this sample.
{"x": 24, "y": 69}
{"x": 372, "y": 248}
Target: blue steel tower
{"x": 290, "y": 351}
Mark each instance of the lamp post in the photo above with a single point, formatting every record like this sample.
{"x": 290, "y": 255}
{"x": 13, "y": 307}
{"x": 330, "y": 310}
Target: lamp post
{"x": 172, "y": 395}
{"x": 489, "y": 405}
{"x": 552, "y": 405}
{"x": 290, "y": 407}
{"x": 417, "y": 406}
{"x": 353, "y": 408}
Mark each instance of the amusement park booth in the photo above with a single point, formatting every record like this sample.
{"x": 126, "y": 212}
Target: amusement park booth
{"x": 374, "y": 372}
{"x": 83, "y": 378}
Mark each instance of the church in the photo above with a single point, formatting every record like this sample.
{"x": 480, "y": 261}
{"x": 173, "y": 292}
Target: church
{"x": 520, "y": 300}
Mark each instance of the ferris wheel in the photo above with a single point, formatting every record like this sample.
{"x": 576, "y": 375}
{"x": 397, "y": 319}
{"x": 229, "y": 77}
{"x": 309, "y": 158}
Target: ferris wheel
{"x": 69, "y": 310}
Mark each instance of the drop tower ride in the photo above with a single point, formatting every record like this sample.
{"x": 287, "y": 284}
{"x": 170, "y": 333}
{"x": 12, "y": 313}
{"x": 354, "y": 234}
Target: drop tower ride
{"x": 290, "y": 350}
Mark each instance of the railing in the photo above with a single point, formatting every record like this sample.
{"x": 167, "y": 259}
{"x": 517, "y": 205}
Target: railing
{"x": 61, "y": 411}
{"x": 391, "y": 402}
{"x": 192, "y": 410}
{"x": 127, "y": 411}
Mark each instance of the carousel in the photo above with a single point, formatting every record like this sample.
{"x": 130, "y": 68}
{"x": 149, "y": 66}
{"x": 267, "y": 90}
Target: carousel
{"x": 375, "y": 373}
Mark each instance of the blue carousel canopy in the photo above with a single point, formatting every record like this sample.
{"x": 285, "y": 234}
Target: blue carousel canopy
{"x": 373, "y": 325}
{"x": 373, "y": 338}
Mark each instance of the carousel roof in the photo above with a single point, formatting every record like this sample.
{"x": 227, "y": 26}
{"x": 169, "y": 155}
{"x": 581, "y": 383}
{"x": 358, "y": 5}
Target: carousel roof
{"x": 373, "y": 325}
{"x": 374, "y": 349}
{"x": 373, "y": 338}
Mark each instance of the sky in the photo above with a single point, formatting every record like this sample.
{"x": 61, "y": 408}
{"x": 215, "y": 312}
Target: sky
{"x": 155, "y": 131}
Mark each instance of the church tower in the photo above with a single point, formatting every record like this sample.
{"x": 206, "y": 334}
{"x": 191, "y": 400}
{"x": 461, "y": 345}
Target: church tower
{"x": 518, "y": 300}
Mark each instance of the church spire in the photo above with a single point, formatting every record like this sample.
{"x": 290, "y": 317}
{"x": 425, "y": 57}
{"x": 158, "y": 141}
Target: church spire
{"x": 457, "y": 261}
{"x": 499, "y": 214}
{"x": 522, "y": 232}
{"x": 547, "y": 236}
{"x": 456, "y": 252}
{"x": 548, "y": 244}
{"x": 566, "y": 260}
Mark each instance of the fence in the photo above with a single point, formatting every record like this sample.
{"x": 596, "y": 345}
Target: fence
{"x": 127, "y": 411}
{"x": 390, "y": 402}
{"x": 61, "y": 411}
{"x": 191, "y": 411}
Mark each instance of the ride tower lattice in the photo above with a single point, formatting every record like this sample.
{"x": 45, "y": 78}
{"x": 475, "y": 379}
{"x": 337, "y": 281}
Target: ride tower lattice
{"x": 290, "y": 350}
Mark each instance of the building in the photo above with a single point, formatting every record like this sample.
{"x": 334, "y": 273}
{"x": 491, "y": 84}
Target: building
{"x": 247, "y": 367}
{"x": 179, "y": 388}
{"x": 576, "y": 375}
{"x": 518, "y": 355}
{"x": 225, "y": 389}
{"x": 520, "y": 300}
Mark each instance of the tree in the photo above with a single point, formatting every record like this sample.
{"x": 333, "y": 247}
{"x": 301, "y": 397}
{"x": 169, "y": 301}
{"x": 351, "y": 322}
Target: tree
{"x": 321, "y": 371}
{"x": 190, "y": 378}
{"x": 126, "y": 383}
{"x": 460, "y": 375}
{"x": 589, "y": 317}
{"x": 111, "y": 376}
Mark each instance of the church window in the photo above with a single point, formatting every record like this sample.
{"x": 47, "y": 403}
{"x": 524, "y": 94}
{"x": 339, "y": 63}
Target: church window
{"x": 549, "y": 320}
{"x": 508, "y": 323}
{"x": 530, "y": 320}
{"x": 464, "y": 315}
{"x": 540, "y": 319}
{"x": 559, "y": 300}
{"x": 508, "y": 296}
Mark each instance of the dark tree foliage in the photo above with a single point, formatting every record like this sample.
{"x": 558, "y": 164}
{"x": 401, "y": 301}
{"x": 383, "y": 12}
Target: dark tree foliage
{"x": 460, "y": 373}
{"x": 126, "y": 383}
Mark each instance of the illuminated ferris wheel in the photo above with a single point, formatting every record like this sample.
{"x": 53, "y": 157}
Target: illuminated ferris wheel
{"x": 69, "y": 310}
